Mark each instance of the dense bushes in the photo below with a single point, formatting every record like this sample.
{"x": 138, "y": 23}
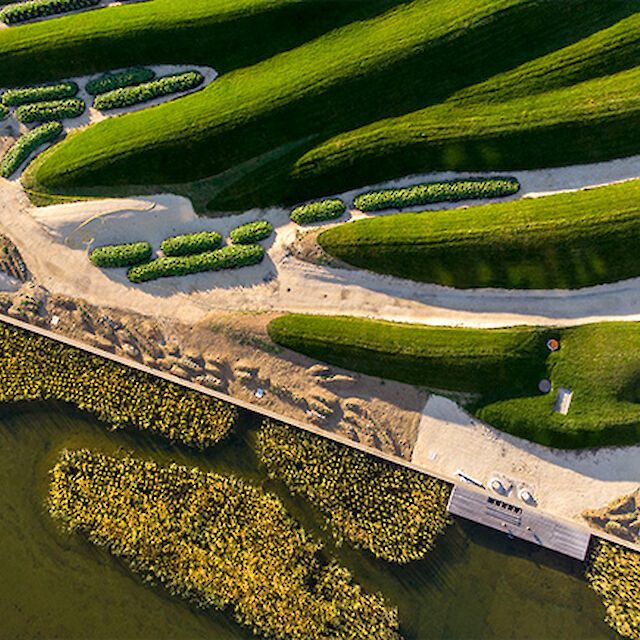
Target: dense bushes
{"x": 22, "y": 11}
{"x": 36, "y": 368}
{"x": 4, "y": 112}
{"x": 226, "y": 258}
{"x": 218, "y": 541}
{"x": 429, "y": 192}
{"x": 48, "y": 111}
{"x": 27, "y": 143}
{"x": 121, "y": 255}
{"x": 111, "y": 81}
{"x": 25, "y": 95}
{"x": 318, "y": 211}
{"x": 395, "y": 513}
{"x": 252, "y": 232}
{"x": 191, "y": 243}
{"x": 166, "y": 85}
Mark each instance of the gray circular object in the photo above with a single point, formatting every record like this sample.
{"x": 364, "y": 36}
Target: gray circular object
{"x": 544, "y": 385}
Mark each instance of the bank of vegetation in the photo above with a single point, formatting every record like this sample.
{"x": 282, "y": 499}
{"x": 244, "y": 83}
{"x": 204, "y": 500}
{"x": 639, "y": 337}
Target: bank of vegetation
{"x": 121, "y": 255}
{"x": 218, "y": 542}
{"x": 27, "y": 144}
{"x": 51, "y": 110}
{"x": 26, "y": 95}
{"x": 251, "y": 232}
{"x": 110, "y": 81}
{"x": 191, "y": 243}
{"x": 318, "y": 211}
{"x": 21, "y": 11}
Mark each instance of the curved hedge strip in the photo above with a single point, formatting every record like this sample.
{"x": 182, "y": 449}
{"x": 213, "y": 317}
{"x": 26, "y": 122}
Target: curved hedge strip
{"x": 121, "y": 255}
{"x": 23, "y": 11}
{"x": 25, "y": 95}
{"x": 228, "y": 257}
{"x": 27, "y": 143}
{"x": 318, "y": 211}
{"x": 252, "y": 232}
{"x": 442, "y": 191}
{"x": 127, "y": 96}
{"x": 191, "y": 243}
{"x": 111, "y": 81}
{"x": 48, "y": 111}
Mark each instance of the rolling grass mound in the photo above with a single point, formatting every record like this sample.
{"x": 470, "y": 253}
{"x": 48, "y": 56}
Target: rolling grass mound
{"x": 567, "y": 241}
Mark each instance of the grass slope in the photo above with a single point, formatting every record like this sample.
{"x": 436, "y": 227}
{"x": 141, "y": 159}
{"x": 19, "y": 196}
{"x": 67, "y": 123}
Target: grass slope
{"x": 567, "y": 240}
{"x": 600, "y": 363}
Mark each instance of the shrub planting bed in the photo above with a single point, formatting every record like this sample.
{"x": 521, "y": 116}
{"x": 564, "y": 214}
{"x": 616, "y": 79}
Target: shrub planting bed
{"x": 121, "y": 255}
{"x": 27, "y": 143}
{"x": 229, "y": 257}
{"x": 127, "y": 96}
{"x": 36, "y": 368}
{"x": 191, "y": 243}
{"x": 26, "y": 95}
{"x": 48, "y": 111}
{"x": 217, "y": 541}
{"x": 30, "y": 9}
{"x": 430, "y": 192}
{"x": 318, "y": 211}
{"x": 252, "y": 232}
{"x": 394, "y": 513}
{"x": 111, "y": 81}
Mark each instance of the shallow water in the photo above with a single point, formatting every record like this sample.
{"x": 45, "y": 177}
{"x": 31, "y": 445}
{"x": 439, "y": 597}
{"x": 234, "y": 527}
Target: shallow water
{"x": 475, "y": 584}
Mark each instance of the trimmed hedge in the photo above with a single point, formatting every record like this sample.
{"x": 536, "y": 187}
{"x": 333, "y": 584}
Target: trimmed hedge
{"x": 48, "y": 111}
{"x": 27, "y": 143}
{"x": 4, "y": 112}
{"x": 23, "y": 11}
{"x": 127, "y": 96}
{"x": 228, "y": 257}
{"x": 191, "y": 243}
{"x": 442, "y": 191}
{"x": 121, "y": 255}
{"x": 318, "y": 211}
{"x": 111, "y": 81}
{"x": 25, "y": 95}
{"x": 252, "y": 232}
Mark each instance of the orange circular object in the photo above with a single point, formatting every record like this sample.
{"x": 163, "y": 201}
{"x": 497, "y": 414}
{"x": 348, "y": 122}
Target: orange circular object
{"x": 553, "y": 344}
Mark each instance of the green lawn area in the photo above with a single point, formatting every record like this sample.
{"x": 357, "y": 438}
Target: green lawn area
{"x": 568, "y": 240}
{"x": 600, "y": 363}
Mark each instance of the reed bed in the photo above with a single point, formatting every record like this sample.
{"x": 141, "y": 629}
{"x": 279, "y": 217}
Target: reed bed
{"x": 217, "y": 541}
{"x": 36, "y": 368}
{"x": 394, "y": 513}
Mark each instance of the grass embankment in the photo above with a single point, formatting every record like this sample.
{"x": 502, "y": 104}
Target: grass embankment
{"x": 600, "y": 363}
{"x": 568, "y": 241}
{"x": 394, "y": 513}
{"x": 217, "y": 541}
{"x": 36, "y": 368}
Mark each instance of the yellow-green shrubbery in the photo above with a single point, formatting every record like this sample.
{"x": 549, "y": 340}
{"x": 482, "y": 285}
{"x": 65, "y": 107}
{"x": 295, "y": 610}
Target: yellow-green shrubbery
{"x": 217, "y": 541}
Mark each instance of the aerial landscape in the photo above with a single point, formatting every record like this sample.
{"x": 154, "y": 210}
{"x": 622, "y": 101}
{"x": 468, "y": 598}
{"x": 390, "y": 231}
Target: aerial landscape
{"x": 320, "y": 319}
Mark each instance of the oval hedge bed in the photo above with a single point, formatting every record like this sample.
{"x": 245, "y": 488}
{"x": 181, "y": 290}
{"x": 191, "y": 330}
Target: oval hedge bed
{"x": 442, "y": 191}
{"x": 251, "y": 232}
{"x": 48, "y": 111}
{"x": 23, "y": 11}
{"x": 25, "y": 95}
{"x": 121, "y": 255}
{"x": 191, "y": 243}
{"x": 318, "y": 211}
{"x": 111, "y": 81}
{"x": 27, "y": 143}
{"x": 228, "y": 257}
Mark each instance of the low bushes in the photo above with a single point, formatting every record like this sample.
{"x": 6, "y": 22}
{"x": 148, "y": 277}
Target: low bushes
{"x": 226, "y": 258}
{"x": 318, "y": 211}
{"x": 4, "y": 112}
{"x": 111, "y": 81}
{"x": 191, "y": 243}
{"x": 430, "y": 192}
{"x": 121, "y": 255}
{"x": 22, "y": 11}
{"x": 27, "y": 143}
{"x": 252, "y": 232}
{"x": 48, "y": 111}
{"x": 25, "y": 95}
{"x": 166, "y": 85}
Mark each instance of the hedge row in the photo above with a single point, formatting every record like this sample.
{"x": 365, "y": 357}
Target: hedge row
{"x": 252, "y": 232}
{"x": 318, "y": 211}
{"x": 22, "y": 11}
{"x": 48, "y": 111}
{"x": 429, "y": 192}
{"x": 25, "y": 95}
{"x": 30, "y": 141}
{"x": 127, "y": 96}
{"x": 121, "y": 255}
{"x": 4, "y": 112}
{"x": 191, "y": 243}
{"x": 228, "y": 257}
{"x": 111, "y": 81}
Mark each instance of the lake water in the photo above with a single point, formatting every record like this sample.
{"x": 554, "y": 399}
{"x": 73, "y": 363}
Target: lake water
{"x": 476, "y": 584}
